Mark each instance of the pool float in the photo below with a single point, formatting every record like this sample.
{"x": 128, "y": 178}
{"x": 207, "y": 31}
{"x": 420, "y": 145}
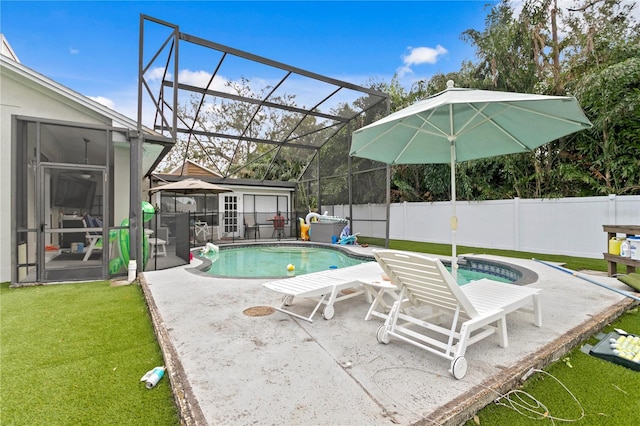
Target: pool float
{"x": 312, "y": 216}
{"x": 122, "y": 235}
{"x": 315, "y": 217}
{"x": 304, "y": 230}
{"x": 209, "y": 249}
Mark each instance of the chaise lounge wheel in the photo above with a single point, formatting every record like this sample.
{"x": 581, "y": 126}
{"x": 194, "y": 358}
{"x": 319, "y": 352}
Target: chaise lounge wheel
{"x": 328, "y": 312}
{"x": 287, "y": 300}
{"x": 458, "y": 367}
{"x": 382, "y": 335}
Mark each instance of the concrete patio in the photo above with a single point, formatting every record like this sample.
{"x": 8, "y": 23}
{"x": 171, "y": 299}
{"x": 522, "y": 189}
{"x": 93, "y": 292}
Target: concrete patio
{"x": 227, "y": 367}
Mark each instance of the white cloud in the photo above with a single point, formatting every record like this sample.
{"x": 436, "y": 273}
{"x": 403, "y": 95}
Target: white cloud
{"x": 156, "y": 74}
{"x": 420, "y": 55}
{"x": 74, "y": 51}
{"x": 104, "y": 101}
{"x": 306, "y": 93}
{"x": 201, "y": 79}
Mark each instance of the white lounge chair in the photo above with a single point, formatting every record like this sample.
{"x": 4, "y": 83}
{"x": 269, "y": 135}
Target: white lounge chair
{"x": 323, "y": 287}
{"x": 93, "y": 235}
{"x": 472, "y": 311}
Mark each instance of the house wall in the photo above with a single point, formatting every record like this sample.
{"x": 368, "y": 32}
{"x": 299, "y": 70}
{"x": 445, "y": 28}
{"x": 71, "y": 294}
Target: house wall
{"x": 24, "y": 97}
{"x": 265, "y": 208}
{"x": 240, "y": 191}
{"x": 121, "y": 174}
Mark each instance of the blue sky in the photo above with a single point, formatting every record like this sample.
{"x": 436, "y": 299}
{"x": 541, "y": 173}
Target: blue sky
{"x": 92, "y": 47}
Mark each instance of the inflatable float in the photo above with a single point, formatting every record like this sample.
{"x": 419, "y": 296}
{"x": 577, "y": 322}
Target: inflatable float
{"x": 121, "y": 261}
{"x": 209, "y": 250}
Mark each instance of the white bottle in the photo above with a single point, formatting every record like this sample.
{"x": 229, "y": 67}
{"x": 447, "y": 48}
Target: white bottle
{"x": 625, "y": 250}
{"x": 152, "y": 377}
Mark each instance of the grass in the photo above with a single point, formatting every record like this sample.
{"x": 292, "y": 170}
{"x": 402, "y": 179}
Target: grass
{"x": 575, "y": 263}
{"x": 75, "y": 353}
{"x": 605, "y": 393}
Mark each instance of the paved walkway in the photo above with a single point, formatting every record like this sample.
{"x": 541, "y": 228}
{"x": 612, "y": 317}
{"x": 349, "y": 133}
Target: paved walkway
{"x": 230, "y": 368}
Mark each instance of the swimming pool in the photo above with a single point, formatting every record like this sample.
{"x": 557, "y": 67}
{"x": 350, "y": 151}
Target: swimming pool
{"x": 271, "y": 261}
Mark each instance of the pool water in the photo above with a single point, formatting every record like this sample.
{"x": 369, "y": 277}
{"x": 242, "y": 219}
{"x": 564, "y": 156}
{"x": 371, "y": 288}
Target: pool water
{"x": 272, "y": 262}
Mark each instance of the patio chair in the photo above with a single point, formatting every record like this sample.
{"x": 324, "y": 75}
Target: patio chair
{"x": 93, "y": 237}
{"x": 202, "y": 231}
{"x": 251, "y": 225}
{"x": 459, "y": 315}
{"x": 323, "y": 287}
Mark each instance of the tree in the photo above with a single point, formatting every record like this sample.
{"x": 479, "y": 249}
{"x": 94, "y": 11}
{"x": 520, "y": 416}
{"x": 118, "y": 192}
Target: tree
{"x": 590, "y": 51}
{"x": 605, "y": 66}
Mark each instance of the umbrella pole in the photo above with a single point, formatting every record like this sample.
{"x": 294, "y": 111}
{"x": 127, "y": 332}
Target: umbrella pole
{"x": 454, "y": 218}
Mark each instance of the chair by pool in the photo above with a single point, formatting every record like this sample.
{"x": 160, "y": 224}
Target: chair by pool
{"x": 461, "y": 315}
{"x": 250, "y": 224}
{"x": 323, "y": 287}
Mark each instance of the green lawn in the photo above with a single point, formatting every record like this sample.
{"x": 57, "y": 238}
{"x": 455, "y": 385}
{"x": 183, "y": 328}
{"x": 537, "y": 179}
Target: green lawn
{"x": 73, "y": 354}
{"x": 605, "y": 393}
{"x": 575, "y": 263}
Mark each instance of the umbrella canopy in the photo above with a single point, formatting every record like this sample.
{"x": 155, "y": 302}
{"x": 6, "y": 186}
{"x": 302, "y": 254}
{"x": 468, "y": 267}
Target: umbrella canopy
{"x": 191, "y": 186}
{"x": 465, "y": 124}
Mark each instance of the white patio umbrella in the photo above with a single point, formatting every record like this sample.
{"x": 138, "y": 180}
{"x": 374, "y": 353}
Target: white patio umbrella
{"x": 464, "y": 124}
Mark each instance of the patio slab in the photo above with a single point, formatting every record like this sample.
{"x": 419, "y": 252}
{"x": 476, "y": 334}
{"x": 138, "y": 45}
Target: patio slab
{"x": 231, "y": 368}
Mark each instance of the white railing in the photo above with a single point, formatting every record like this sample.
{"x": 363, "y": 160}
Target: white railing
{"x": 567, "y": 226}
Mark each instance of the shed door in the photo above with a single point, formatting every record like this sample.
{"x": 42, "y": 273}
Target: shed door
{"x": 230, "y": 225}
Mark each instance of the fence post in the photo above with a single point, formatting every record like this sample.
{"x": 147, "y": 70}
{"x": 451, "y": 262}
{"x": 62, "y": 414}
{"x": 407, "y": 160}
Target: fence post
{"x": 516, "y": 223}
{"x": 405, "y": 217}
{"x": 612, "y": 210}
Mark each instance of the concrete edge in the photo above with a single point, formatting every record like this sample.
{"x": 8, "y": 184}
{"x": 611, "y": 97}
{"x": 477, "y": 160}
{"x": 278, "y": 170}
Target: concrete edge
{"x": 189, "y": 411}
{"x": 463, "y": 408}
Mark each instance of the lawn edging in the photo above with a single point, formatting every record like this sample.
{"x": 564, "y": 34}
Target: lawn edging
{"x": 189, "y": 409}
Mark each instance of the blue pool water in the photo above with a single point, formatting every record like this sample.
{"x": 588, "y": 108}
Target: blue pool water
{"x": 272, "y": 262}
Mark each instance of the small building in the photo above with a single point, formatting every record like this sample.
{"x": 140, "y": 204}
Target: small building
{"x": 246, "y": 211}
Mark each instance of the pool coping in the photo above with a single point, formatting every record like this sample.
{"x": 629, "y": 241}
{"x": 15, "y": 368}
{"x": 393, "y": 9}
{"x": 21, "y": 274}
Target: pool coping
{"x": 527, "y": 276}
{"x": 206, "y": 263}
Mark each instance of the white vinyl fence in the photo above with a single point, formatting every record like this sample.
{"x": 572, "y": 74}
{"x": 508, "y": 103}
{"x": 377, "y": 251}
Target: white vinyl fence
{"x": 567, "y": 226}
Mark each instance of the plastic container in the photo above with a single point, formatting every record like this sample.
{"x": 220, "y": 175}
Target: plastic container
{"x": 634, "y": 247}
{"x": 614, "y": 246}
{"x": 625, "y": 249}
{"x": 133, "y": 265}
{"x": 152, "y": 377}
